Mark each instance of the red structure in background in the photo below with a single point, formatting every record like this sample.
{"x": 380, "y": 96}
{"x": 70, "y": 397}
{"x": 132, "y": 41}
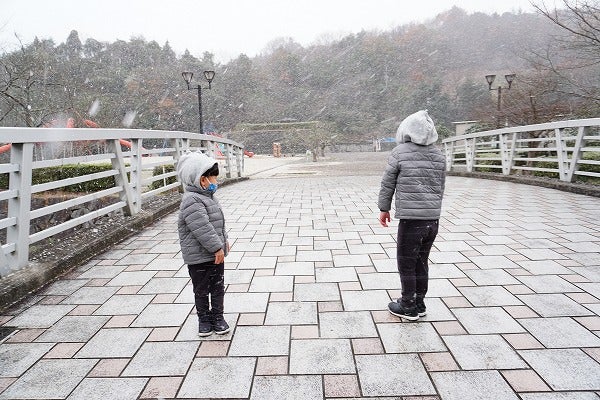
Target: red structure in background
{"x": 69, "y": 124}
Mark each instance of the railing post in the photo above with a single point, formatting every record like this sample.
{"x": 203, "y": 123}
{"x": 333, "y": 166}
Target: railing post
{"x": 576, "y": 156}
{"x": 470, "y": 153}
{"x": 561, "y": 152}
{"x": 136, "y": 172}
{"x": 229, "y": 159}
{"x": 20, "y": 206}
{"x": 449, "y": 150}
{"x": 239, "y": 154}
{"x": 118, "y": 164}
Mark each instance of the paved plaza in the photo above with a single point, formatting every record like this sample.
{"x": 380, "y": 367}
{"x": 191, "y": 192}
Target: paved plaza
{"x": 513, "y": 305}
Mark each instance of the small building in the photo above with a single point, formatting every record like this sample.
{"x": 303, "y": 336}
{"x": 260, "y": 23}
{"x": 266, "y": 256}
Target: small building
{"x": 461, "y": 127}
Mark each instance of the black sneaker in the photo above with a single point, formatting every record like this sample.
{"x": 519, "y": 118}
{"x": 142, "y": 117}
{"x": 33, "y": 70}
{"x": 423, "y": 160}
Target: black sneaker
{"x": 409, "y": 313}
{"x": 220, "y": 326}
{"x": 204, "y": 328}
{"x": 421, "y": 309}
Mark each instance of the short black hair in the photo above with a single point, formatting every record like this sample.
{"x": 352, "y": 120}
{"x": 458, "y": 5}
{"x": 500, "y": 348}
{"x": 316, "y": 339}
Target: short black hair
{"x": 212, "y": 171}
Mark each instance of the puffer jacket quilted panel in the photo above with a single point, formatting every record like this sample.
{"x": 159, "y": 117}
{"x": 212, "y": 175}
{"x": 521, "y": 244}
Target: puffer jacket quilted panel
{"x": 416, "y": 175}
{"x": 201, "y": 226}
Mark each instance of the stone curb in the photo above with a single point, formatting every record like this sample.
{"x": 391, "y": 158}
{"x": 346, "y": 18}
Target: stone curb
{"x": 14, "y": 287}
{"x": 578, "y": 188}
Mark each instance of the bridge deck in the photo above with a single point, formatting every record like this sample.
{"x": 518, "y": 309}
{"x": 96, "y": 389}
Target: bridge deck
{"x": 513, "y": 307}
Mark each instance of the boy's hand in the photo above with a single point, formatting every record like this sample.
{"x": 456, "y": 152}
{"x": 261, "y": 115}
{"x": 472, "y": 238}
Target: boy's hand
{"x": 384, "y": 218}
{"x": 219, "y": 257}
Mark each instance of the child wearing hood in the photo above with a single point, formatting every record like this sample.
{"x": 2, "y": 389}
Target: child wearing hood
{"x": 203, "y": 239}
{"x": 416, "y": 175}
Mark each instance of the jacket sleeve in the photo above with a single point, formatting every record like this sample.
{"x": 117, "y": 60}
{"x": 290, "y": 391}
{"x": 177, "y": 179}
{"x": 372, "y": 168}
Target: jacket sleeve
{"x": 388, "y": 184}
{"x": 196, "y": 218}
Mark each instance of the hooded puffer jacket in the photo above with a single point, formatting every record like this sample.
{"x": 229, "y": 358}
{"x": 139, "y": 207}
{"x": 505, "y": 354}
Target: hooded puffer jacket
{"x": 201, "y": 223}
{"x": 415, "y": 171}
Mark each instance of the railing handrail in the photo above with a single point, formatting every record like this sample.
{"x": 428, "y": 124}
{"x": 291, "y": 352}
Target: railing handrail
{"x": 39, "y": 135}
{"x": 572, "y": 123}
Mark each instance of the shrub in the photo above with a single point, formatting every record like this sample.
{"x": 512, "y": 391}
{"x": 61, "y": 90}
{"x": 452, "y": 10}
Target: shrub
{"x": 159, "y": 170}
{"x": 50, "y": 174}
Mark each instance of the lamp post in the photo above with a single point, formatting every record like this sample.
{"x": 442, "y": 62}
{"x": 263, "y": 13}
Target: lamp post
{"x": 490, "y": 79}
{"x": 187, "y": 76}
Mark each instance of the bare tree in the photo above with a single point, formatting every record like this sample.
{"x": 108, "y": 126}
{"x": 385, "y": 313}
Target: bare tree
{"x": 573, "y": 56}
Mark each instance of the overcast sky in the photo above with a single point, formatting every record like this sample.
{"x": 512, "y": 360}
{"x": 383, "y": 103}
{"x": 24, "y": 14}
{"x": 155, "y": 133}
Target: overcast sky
{"x": 223, "y": 27}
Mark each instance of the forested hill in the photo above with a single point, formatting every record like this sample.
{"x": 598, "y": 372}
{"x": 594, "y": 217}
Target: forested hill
{"x": 362, "y": 85}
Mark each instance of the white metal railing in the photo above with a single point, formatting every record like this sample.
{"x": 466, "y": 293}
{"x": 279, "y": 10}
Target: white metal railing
{"x": 560, "y": 148}
{"x": 129, "y": 169}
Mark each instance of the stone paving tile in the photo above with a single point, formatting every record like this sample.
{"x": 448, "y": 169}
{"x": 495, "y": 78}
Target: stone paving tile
{"x": 33, "y": 384}
{"x": 64, "y": 350}
{"x": 525, "y": 381}
{"x": 124, "y": 304}
{"x": 295, "y": 268}
{"x": 410, "y": 338}
{"x": 365, "y": 300}
{"x": 489, "y": 296}
{"x": 73, "y": 329}
{"x": 551, "y": 365}
{"x": 117, "y": 342}
{"x": 487, "y": 320}
{"x": 460, "y": 385}
{"x": 162, "y": 359}
{"x": 340, "y": 274}
{"x": 164, "y": 285}
{"x": 131, "y": 278}
{"x": 548, "y": 284}
{"x": 246, "y": 302}
{"x": 109, "y": 367}
{"x": 485, "y": 277}
{"x": 272, "y": 365}
{"x": 90, "y": 295}
{"x": 291, "y": 313}
{"x": 560, "y": 332}
{"x": 272, "y": 284}
{"x": 341, "y": 386}
{"x": 40, "y": 316}
{"x": 321, "y": 356}
{"x": 393, "y": 375}
{"x": 483, "y": 352}
{"x": 554, "y": 305}
{"x": 218, "y": 378}
{"x": 260, "y": 341}
{"x": 439, "y": 362}
{"x": 161, "y": 387}
{"x": 560, "y": 396}
{"x": 316, "y": 292}
{"x": 105, "y": 388}
{"x": 156, "y": 315}
{"x": 354, "y": 324}
{"x": 441, "y": 288}
{"x": 292, "y": 387}
{"x": 18, "y": 357}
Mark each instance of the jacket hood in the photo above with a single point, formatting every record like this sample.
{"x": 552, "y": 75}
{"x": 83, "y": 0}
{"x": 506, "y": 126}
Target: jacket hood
{"x": 191, "y": 166}
{"x": 417, "y": 128}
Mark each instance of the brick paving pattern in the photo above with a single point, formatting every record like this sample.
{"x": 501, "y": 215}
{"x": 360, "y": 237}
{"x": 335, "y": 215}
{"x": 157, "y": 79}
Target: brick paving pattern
{"x": 513, "y": 307}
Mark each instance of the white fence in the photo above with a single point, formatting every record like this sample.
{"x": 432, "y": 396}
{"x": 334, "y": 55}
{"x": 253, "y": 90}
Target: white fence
{"x": 130, "y": 168}
{"x": 561, "y": 148}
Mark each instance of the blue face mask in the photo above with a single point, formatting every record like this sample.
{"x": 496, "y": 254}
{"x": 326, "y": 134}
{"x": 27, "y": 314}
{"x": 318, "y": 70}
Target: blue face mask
{"x": 212, "y": 187}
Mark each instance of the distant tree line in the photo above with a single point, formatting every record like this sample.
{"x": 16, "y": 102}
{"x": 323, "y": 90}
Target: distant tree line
{"x": 360, "y": 86}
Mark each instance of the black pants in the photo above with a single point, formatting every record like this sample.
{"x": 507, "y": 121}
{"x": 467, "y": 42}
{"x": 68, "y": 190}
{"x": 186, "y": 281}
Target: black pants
{"x": 415, "y": 238}
{"x": 207, "y": 279}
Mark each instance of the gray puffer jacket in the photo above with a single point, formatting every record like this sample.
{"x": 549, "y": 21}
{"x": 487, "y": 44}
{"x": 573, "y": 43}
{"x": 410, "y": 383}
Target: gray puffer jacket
{"x": 415, "y": 171}
{"x": 201, "y": 226}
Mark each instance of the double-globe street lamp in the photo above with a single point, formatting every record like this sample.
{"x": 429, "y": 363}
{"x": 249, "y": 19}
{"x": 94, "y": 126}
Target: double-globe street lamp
{"x": 490, "y": 79}
{"x": 187, "y": 76}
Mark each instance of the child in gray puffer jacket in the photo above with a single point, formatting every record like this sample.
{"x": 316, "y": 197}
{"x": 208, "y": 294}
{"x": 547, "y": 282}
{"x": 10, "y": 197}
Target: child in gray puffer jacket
{"x": 203, "y": 239}
{"x": 415, "y": 175}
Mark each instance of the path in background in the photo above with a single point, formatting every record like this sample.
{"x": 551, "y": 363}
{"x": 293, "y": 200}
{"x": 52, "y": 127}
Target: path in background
{"x": 513, "y": 306}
